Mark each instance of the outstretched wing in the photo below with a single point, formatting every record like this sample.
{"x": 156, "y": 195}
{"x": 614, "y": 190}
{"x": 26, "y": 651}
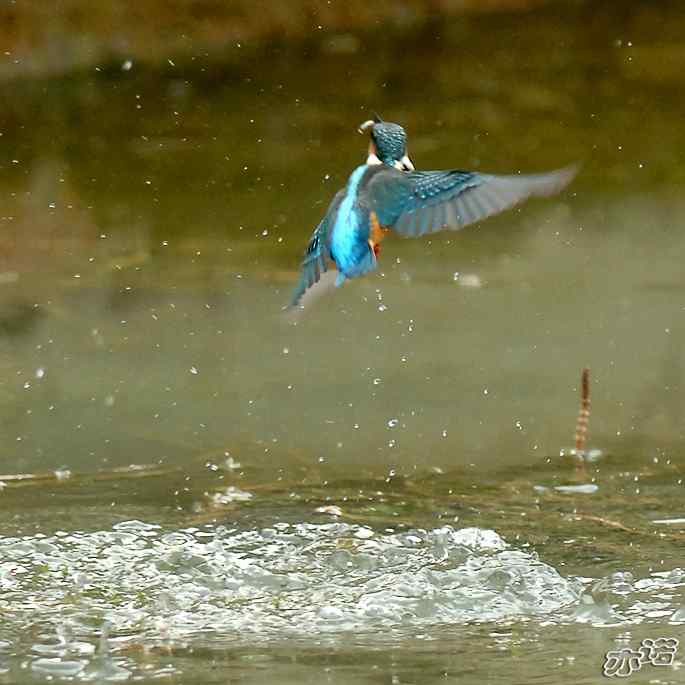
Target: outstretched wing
{"x": 421, "y": 202}
{"x": 317, "y": 254}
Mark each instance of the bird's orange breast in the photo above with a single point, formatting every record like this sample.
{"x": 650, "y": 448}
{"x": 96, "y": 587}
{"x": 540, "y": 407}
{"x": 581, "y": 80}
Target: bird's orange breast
{"x": 376, "y": 233}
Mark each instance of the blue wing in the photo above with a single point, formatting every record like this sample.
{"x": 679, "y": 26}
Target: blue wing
{"x": 421, "y": 202}
{"x": 318, "y": 253}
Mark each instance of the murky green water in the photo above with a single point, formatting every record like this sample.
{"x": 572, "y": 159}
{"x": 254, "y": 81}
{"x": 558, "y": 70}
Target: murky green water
{"x": 369, "y": 493}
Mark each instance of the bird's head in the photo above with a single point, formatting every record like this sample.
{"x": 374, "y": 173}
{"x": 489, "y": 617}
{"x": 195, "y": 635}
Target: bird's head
{"x": 388, "y": 144}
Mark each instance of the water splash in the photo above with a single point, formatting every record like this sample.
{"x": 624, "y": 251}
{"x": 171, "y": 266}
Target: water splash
{"x": 96, "y": 597}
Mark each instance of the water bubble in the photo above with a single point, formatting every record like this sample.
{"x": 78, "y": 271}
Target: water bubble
{"x": 469, "y": 280}
{"x": 331, "y": 613}
{"x": 329, "y": 509}
{"x": 230, "y": 463}
{"x": 231, "y": 494}
{"x": 56, "y": 667}
{"x": 583, "y": 489}
{"x": 678, "y": 616}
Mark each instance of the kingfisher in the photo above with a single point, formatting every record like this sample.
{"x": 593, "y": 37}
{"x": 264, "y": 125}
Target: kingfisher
{"x": 388, "y": 194}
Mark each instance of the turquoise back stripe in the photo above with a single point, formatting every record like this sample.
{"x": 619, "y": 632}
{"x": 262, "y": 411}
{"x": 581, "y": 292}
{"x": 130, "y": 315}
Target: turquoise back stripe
{"x": 345, "y": 245}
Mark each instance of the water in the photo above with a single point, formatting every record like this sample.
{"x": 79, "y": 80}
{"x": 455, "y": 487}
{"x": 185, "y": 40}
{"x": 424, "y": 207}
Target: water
{"x": 197, "y": 487}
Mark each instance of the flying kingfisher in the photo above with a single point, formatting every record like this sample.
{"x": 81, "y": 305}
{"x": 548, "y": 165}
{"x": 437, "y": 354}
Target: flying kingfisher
{"x": 387, "y": 194}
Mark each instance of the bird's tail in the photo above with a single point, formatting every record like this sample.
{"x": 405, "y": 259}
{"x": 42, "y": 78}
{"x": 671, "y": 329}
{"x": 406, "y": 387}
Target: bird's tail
{"x": 313, "y": 266}
{"x": 308, "y": 299}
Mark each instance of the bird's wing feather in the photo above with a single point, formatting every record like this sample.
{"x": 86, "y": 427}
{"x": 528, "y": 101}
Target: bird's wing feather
{"x": 317, "y": 254}
{"x": 421, "y": 202}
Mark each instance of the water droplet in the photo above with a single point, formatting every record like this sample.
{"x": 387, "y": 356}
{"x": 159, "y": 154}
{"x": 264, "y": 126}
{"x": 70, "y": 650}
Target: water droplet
{"x": 193, "y": 370}
{"x": 392, "y": 423}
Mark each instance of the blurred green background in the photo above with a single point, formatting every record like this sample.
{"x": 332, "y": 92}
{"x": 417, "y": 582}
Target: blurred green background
{"x": 162, "y": 168}
{"x": 49, "y": 38}
{"x": 163, "y": 421}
